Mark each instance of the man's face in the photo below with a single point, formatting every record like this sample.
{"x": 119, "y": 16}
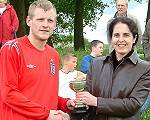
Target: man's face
{"x": 122, "y": 7}
{"x": 42, "y": 24}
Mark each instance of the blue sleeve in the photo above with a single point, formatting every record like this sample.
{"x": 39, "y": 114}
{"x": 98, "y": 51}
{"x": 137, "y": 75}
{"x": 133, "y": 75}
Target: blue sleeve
{"x": 85, "y": 64}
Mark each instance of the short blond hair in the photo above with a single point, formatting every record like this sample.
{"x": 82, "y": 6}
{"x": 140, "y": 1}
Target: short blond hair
{"x": 3, "y": 1}
{"x": 66, "y": 57}
{"x": 43, "y": 4}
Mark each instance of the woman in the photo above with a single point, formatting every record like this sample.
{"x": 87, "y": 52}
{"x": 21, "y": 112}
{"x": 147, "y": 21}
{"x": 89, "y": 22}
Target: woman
{"x": 117, "y": 84}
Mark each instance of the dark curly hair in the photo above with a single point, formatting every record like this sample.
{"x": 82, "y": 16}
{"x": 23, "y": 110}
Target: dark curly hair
{"x": 125, "y": 20}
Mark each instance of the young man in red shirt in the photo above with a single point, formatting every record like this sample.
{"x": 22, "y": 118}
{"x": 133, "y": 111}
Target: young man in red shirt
{"x": 29, "y": 71}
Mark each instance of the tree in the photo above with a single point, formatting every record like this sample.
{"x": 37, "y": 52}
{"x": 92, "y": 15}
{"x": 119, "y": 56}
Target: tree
{"x": 19, "y": 6}
{"x": 74, "y": 15}
{"x": 148, "y": 12}
{"x": 78, "y": 25}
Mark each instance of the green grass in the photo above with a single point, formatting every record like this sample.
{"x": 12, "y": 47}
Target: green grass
{"x": 146, "y": 115}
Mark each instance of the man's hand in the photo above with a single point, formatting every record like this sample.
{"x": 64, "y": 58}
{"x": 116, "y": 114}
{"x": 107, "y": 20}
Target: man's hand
{"x": 71, "y": 104}
{"x": 58, "y": 115}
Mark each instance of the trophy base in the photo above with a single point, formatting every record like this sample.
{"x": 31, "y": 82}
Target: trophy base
{"x": 79, "y": 110}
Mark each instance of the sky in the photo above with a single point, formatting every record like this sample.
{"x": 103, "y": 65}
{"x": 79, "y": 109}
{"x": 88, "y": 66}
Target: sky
{"x": 134, "y": 8}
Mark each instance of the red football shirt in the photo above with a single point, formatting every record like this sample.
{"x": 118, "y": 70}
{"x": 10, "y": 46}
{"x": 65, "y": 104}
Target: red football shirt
{"x": 29, "y": 81}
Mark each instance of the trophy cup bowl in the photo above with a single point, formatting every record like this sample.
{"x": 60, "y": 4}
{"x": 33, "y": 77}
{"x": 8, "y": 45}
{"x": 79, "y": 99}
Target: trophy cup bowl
{"x": 78, "y": 86}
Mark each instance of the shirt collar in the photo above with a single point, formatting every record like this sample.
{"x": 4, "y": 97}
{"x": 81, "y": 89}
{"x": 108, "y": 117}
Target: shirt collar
{"x": 115, "y": 16}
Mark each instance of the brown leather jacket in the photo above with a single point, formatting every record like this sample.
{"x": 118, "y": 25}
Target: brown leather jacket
{"x": 121, "y": 92}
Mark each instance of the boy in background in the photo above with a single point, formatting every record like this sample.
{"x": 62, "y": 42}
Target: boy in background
{"x": 68, "y": 73}
{"x": 96, "y": 48}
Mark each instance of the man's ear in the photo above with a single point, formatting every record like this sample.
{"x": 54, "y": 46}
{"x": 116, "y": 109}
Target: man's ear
{"x": 28, "y": 21}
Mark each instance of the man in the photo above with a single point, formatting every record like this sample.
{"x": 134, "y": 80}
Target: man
{"x": 29, "y": 71}
{"x": 9, "y": 22}
{"x": 96, "y": 48}
{"x": 122, "y": 11}
{"x": 146, "y": 48}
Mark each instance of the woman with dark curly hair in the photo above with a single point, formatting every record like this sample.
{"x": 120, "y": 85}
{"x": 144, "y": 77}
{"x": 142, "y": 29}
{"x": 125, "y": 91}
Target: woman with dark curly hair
{"x": 118, "y": 84}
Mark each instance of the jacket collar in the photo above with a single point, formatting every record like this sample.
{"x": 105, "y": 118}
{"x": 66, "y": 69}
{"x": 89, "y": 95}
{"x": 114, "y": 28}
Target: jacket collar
{"x": 134, "y": 58}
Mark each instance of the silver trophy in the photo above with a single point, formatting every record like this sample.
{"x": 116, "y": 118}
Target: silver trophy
{"x": 78, "y": 86}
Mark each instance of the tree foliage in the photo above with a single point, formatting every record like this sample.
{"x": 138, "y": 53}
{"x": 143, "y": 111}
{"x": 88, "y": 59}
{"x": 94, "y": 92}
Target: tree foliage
{"x": 74, "y": 15}
{"x": 92, "y": 10}
{"x": 68, "y": 19}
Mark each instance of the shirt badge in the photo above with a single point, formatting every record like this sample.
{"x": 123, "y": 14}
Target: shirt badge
{"x": 52, "y": 67}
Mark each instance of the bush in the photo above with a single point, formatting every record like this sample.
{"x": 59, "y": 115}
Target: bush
{"x": 140, "y": 50}
{"x": 146, "y": 115}
{"x": 141, "y": 56}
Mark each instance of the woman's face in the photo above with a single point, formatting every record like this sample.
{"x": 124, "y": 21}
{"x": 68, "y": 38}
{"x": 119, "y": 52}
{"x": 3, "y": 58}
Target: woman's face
{"x": 122, "y": 40}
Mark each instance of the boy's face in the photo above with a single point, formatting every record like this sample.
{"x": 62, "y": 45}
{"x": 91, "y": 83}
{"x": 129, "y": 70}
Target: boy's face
{"x": 2, "y": 4}
{"x": 72, "y": 63}
{"x": 98, "y": 49}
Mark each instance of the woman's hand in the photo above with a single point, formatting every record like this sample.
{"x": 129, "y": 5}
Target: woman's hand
{"x": 86, "y": 98}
